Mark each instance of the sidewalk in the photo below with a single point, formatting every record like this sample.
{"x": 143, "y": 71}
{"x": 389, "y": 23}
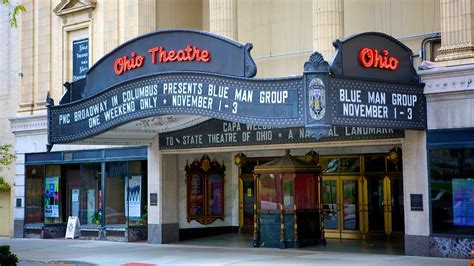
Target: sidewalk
{"x": 83, "y": 252}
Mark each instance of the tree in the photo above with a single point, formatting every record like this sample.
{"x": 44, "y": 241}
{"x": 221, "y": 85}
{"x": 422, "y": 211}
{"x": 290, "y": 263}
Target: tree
{"x": 14, "y": 11}
{"x": 6, "y": 158}
{"x": 7, "y": 257}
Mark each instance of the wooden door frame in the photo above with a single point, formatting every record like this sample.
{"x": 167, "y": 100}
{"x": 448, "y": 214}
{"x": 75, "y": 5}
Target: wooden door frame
{"x": 244, "y": 178}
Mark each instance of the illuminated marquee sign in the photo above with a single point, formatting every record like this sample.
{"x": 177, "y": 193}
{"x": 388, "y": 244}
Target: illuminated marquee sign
{"x": 190, "y": 53}
{"x": 371, "y": 58}
{"x": 373, "y": 55}
{"x": 177, "y": 76}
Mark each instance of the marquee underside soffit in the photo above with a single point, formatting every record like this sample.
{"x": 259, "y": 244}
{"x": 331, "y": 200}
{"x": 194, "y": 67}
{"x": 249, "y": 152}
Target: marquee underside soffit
{"x": 141, "y": 132}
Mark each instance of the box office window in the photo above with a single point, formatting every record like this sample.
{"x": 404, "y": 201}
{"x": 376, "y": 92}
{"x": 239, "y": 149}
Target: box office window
{"x": 270, "y": 189}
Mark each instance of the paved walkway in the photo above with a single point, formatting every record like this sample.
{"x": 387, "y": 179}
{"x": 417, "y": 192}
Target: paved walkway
{"x": 77, "y": 252}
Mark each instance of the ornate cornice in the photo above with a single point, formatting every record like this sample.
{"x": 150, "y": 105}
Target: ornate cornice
{"x": 448, "y": 79}
{"x": 66, "y": 7}
{"x": 28, "y": 124}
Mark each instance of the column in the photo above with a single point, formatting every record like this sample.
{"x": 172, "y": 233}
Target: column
{"x": 328, "y": 25}
{"x": 108, "y": 38}
{"x": 27, "y": 33}
{"x": 137, "y": 17}
{"x": 19, "y": 194}
{"x": 163, "y": 223}
{"x": 415, "y": 181}
{"x": 457, "y": 31}
{"x": 223, "y": 18}
{"x": 43, "y": 53}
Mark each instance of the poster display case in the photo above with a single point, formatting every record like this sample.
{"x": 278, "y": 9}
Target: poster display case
{"x": 205, "y": 190}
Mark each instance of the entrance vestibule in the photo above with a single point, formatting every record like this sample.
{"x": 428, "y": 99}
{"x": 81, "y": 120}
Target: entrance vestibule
{"x": 362, "y": 195}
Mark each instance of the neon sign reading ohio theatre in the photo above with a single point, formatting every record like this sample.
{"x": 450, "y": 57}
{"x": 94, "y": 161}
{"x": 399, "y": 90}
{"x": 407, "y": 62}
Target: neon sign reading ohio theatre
{"x": 189, "y": 53}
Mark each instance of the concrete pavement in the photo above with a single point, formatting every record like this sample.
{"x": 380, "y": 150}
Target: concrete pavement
{"x": 77, "y": 252}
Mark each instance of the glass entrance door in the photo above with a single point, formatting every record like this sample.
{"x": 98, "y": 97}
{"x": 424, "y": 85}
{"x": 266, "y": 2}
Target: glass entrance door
{"x": 341, "y": 206}
{"x": 385, "y": 205}
{"x": 247, "y": 198}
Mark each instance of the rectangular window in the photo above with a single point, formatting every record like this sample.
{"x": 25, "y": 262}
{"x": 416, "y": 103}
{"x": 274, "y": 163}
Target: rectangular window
{"x": 452, "y": 190}
{"x": 115, "y": 190}
{"x": 340, "y": 164}
{"x": 125, "y": 193}
{"x": 270, "y": 187}
{"x": 34, "y": 194}
{"x": 90, "y": 192}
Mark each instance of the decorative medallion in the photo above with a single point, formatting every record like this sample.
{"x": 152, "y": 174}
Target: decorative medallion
{"x": 317, "y": 99}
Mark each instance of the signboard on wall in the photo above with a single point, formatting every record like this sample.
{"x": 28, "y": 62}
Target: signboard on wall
{"x": 416, "y": 202}
{"x": 375, "y": 103}
{"x": 144, "y": 77}
{"x": 80, "y": 59}
{"x": 221, "y": 133}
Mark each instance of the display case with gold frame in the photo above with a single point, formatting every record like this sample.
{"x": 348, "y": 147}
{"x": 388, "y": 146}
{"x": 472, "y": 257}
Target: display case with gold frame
{"x": 205, "y": 190}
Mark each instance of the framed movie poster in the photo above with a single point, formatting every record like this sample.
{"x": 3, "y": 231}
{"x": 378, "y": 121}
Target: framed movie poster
{"x": 51, "y": 197}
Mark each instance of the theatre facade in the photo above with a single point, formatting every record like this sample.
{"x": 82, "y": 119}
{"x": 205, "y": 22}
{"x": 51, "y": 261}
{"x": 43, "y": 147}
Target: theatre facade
{"x": 192, "y": 97}
{"x": 170, "y": 136}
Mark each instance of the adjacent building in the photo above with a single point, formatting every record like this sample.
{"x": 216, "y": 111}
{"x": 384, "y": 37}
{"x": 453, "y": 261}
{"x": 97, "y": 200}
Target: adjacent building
{"x": 9, "y": 80}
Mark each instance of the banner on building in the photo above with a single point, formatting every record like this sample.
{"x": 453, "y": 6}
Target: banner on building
{"x": 134, "y": 196}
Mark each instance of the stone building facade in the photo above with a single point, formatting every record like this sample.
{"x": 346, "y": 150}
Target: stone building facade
{"x": 9, "y": 80}
{"x": 284, "y": 34}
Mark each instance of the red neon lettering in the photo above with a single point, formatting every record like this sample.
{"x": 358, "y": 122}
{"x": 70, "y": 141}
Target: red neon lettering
{"x": 371, "y": 58}
{"x": 123, "y": 64}
{"x": 189, "y": 53}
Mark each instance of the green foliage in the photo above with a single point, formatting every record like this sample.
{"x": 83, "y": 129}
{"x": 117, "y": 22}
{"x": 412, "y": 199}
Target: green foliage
{"x": 14, "y": 11}
{"x": 6, "y": 158}
{"x": 6, "y": 257}
{"x": 145, "y": 215}
{"x": 96, "y": 217}
{"x": 4, "y": 186}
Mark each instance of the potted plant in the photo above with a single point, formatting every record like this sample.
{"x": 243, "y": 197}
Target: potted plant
{"x": 96, "y": 217}
{"x": 144, "y": 216}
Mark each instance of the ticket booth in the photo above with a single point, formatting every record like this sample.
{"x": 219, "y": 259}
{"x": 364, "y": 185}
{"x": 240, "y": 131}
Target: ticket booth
{"x": 287, "y": 212}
